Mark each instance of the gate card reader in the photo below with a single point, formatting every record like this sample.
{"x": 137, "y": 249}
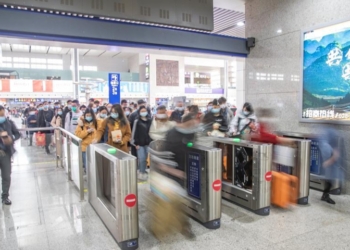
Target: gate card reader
{"x": 112, "y": 183}
{"x": 203, "y": 183}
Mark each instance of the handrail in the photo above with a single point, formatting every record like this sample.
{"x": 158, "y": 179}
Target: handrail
{"x": 75, "y": 138}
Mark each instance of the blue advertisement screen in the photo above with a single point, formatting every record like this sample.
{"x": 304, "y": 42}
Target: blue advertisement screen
{"x": 114, "y": 87}
{"x": 194, "y": 175}
{"x": 326, "y": 74}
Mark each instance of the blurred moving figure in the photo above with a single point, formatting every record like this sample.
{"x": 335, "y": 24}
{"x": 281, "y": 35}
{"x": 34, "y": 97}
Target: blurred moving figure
{"x": 160, "y": 124}
{"x": 225, "y": 111}
{"x": 331, "y": 161}
{"x": 245, "y": 121}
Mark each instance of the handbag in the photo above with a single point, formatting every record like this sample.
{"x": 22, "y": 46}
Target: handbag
{"x": 40, "y": 139}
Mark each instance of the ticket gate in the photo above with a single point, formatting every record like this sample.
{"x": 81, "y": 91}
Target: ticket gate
{"x": 202, "y": 199}
{"x": 317, "y": 181}
{"x": 295, "y": 161}
{"x": 246, "y": 178}
{"x": 112, "y": 185}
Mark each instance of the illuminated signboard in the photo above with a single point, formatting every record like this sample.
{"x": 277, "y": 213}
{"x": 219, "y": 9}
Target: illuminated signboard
{"x": 325, "y": 93}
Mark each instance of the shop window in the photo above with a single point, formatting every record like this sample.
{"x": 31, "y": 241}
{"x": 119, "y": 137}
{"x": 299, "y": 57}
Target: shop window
{"x": 38, "y": 60}
{"x": 59, "y": 67}
{"x": 164, "y": 14}
{"x": 38, "y": 66}
{"x": 7, "y": 59}
{"x": 21, "y": 65}
{"x": 6, "y": 65}
{"x": 119, "y": 7}
{"x": 54, "y": 61}
{"x": 21, "y": 59}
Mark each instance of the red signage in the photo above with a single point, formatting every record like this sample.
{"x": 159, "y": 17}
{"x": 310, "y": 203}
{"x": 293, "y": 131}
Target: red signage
{"x": 130, "y": 200}
{"x": 268, "y": 176}
{"x": 217, "y": 185}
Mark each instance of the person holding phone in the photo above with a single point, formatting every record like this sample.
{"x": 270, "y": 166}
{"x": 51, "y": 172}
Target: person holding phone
{"x": 8, "y": 134}
{"x": 119, "y": 132}
{"x": 87, "y": 131}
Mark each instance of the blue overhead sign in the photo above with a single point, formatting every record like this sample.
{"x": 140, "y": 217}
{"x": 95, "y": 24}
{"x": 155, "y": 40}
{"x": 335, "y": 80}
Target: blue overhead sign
{"x": 114, "y": 87}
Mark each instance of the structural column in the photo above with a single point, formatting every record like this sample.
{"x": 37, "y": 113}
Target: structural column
{"x": 75, "y": 71}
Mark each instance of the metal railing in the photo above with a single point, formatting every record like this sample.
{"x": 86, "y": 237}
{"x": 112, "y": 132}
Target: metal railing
{"x": 70, "y": 138}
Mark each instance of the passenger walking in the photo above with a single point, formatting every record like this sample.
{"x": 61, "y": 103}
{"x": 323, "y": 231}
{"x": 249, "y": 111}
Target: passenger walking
{"x": 141, "y": 140}
{"x": 127, "y": 111}
{"x": 119, "y": 132}
{"x": 56, "y": 122}
{"x": 8, "y": 134}
{"x": 215, "y": 116}
{"x": 66, "y": 110}
{"x": 72, "y": 117}
{"x": 87, "y": 131}
{"x": 102, "y": 115}
{"x": 245, "y": 122}
{"x": 132, "y": 117}
{"x": 44, "y": 121}
{"x": 177, "y": 114}
{"x": 32, "y": 122}
{"x": 225, "y": 111}
{"x": 160, "y": 124}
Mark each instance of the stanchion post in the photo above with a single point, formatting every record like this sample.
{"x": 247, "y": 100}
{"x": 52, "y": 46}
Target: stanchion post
{"x": 81, "y": 173}
{"x": 69, "y": 158}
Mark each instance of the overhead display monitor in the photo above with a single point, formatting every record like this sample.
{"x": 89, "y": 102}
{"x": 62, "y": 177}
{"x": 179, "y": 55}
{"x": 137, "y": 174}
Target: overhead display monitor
{"x": 326, "y": 74}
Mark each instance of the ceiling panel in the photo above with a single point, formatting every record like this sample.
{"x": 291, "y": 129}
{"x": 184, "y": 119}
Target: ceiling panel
{"x": 225, "y": 22}
{"x": 38, "y": 49}
{"x": 20, "y": 48}
{"x": 125, "y": 55}
{"x": 5, "y": 47}
{"x": 93, "y": 52}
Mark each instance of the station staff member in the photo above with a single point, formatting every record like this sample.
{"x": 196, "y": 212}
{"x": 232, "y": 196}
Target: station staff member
{"x": 8, "y": 134}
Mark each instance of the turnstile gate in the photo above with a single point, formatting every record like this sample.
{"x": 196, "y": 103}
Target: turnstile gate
{"x": 112, "y": 185}
{"x": 202, "y": 200}
{"x": 246, "y": 178}
{"x": 316, "y": 172}
{"x": 295, "y": 161}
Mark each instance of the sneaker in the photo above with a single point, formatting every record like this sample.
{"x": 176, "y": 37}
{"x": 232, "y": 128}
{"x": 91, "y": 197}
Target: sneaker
{"x": 327, "y": 198}
{"x": 145, "y": 176}
{"x": 6, "y": 201}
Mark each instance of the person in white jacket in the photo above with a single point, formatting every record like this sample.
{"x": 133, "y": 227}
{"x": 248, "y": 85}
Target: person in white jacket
{"x": 245, "y": 121}
{"x": 160, "y": 124}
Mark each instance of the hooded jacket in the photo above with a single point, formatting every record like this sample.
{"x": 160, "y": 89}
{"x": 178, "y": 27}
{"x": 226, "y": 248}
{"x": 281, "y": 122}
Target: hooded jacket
{"x": 241, "y": 122}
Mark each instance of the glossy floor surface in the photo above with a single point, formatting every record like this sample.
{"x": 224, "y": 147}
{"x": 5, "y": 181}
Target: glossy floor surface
{"x": 47, "y": 214}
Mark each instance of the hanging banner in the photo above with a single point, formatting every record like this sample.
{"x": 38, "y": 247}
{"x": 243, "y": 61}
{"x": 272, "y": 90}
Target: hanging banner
{"x": 114, "y": 87}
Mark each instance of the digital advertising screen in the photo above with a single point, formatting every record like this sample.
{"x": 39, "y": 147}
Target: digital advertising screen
{"x": 326, "y": 74}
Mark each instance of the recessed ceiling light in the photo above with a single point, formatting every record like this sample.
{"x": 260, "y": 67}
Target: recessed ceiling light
{"x": 279, "y": 31}
{"x": 240, "y": 24}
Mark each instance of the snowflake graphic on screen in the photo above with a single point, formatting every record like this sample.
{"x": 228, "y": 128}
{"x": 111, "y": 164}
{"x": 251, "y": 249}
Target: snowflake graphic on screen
{"x": 335, "y": 56}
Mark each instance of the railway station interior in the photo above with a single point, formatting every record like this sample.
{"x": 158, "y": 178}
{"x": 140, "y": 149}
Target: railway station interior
{"x": 160, "y": 124}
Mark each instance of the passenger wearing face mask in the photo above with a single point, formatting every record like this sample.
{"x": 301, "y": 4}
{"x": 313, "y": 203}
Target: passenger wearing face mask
{"x": 119, "y": 132}
{"x": 244, "y": 120}
{"x": 209, "y": 108}
{"x": 225, "y": 111}
{"x": 127, "y": 111}
{"x": 72, "y": 117}
{"x": 45, "y": 116}
{"x": 101, "y": 116}
{"x": 141, "y": 140}
{"x": 177, "y": 114}
{"x": 109, "y": 107}
{"x": 215, "y": 116}
{"x": 87, "y": 131}
{"x": 57, "y": 123}
{"x": 32, "y": 121}
{"x": 66, "y": 110}
{"x": 160, "y": 124}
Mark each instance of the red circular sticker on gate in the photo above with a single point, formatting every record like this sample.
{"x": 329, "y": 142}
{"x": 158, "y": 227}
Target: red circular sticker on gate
{"x": 217, "y": 185}
{"x": 268, "y": 176}
{"x": 130, "y": 200}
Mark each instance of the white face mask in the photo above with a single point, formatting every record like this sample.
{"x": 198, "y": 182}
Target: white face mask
{"x": 223, "y": 106}
{"x": 161, "y": 116}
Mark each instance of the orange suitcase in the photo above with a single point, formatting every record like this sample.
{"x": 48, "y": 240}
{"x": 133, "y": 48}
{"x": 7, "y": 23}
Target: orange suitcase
{"x": 284, "y": 189}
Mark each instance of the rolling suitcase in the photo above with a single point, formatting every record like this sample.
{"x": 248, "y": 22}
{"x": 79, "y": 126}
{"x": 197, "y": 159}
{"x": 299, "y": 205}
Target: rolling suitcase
{"x": 284, "y": 189}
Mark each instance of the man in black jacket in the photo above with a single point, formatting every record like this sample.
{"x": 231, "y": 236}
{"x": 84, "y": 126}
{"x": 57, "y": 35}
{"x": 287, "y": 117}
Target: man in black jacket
{"x": 179, "y": 111}
{"x": 66, "y": 110}
{"x": 132, "y": 117}
{"x": 8, "y": 134}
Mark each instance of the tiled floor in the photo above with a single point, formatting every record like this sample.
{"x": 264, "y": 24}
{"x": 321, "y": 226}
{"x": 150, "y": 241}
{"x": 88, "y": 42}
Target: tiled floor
{"x": 47, "y": 214}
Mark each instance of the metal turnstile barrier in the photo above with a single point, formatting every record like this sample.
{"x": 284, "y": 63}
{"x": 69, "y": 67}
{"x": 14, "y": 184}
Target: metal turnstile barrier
{"x": 317, "y": 181}
{"x": 112, "y": 183}
{"x": 295, "y": 161}
{"x": 202, "y": 200}
{"x": 247, "y": 173}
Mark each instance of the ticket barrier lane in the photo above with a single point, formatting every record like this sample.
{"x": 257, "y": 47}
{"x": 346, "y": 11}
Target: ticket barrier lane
{"x": 246, "y": 178}
{"x": 112, "y": 185}
{"x": 202, "y": 196}
{"x": 295, "y": 161}
{"x": 317, "y": 181}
